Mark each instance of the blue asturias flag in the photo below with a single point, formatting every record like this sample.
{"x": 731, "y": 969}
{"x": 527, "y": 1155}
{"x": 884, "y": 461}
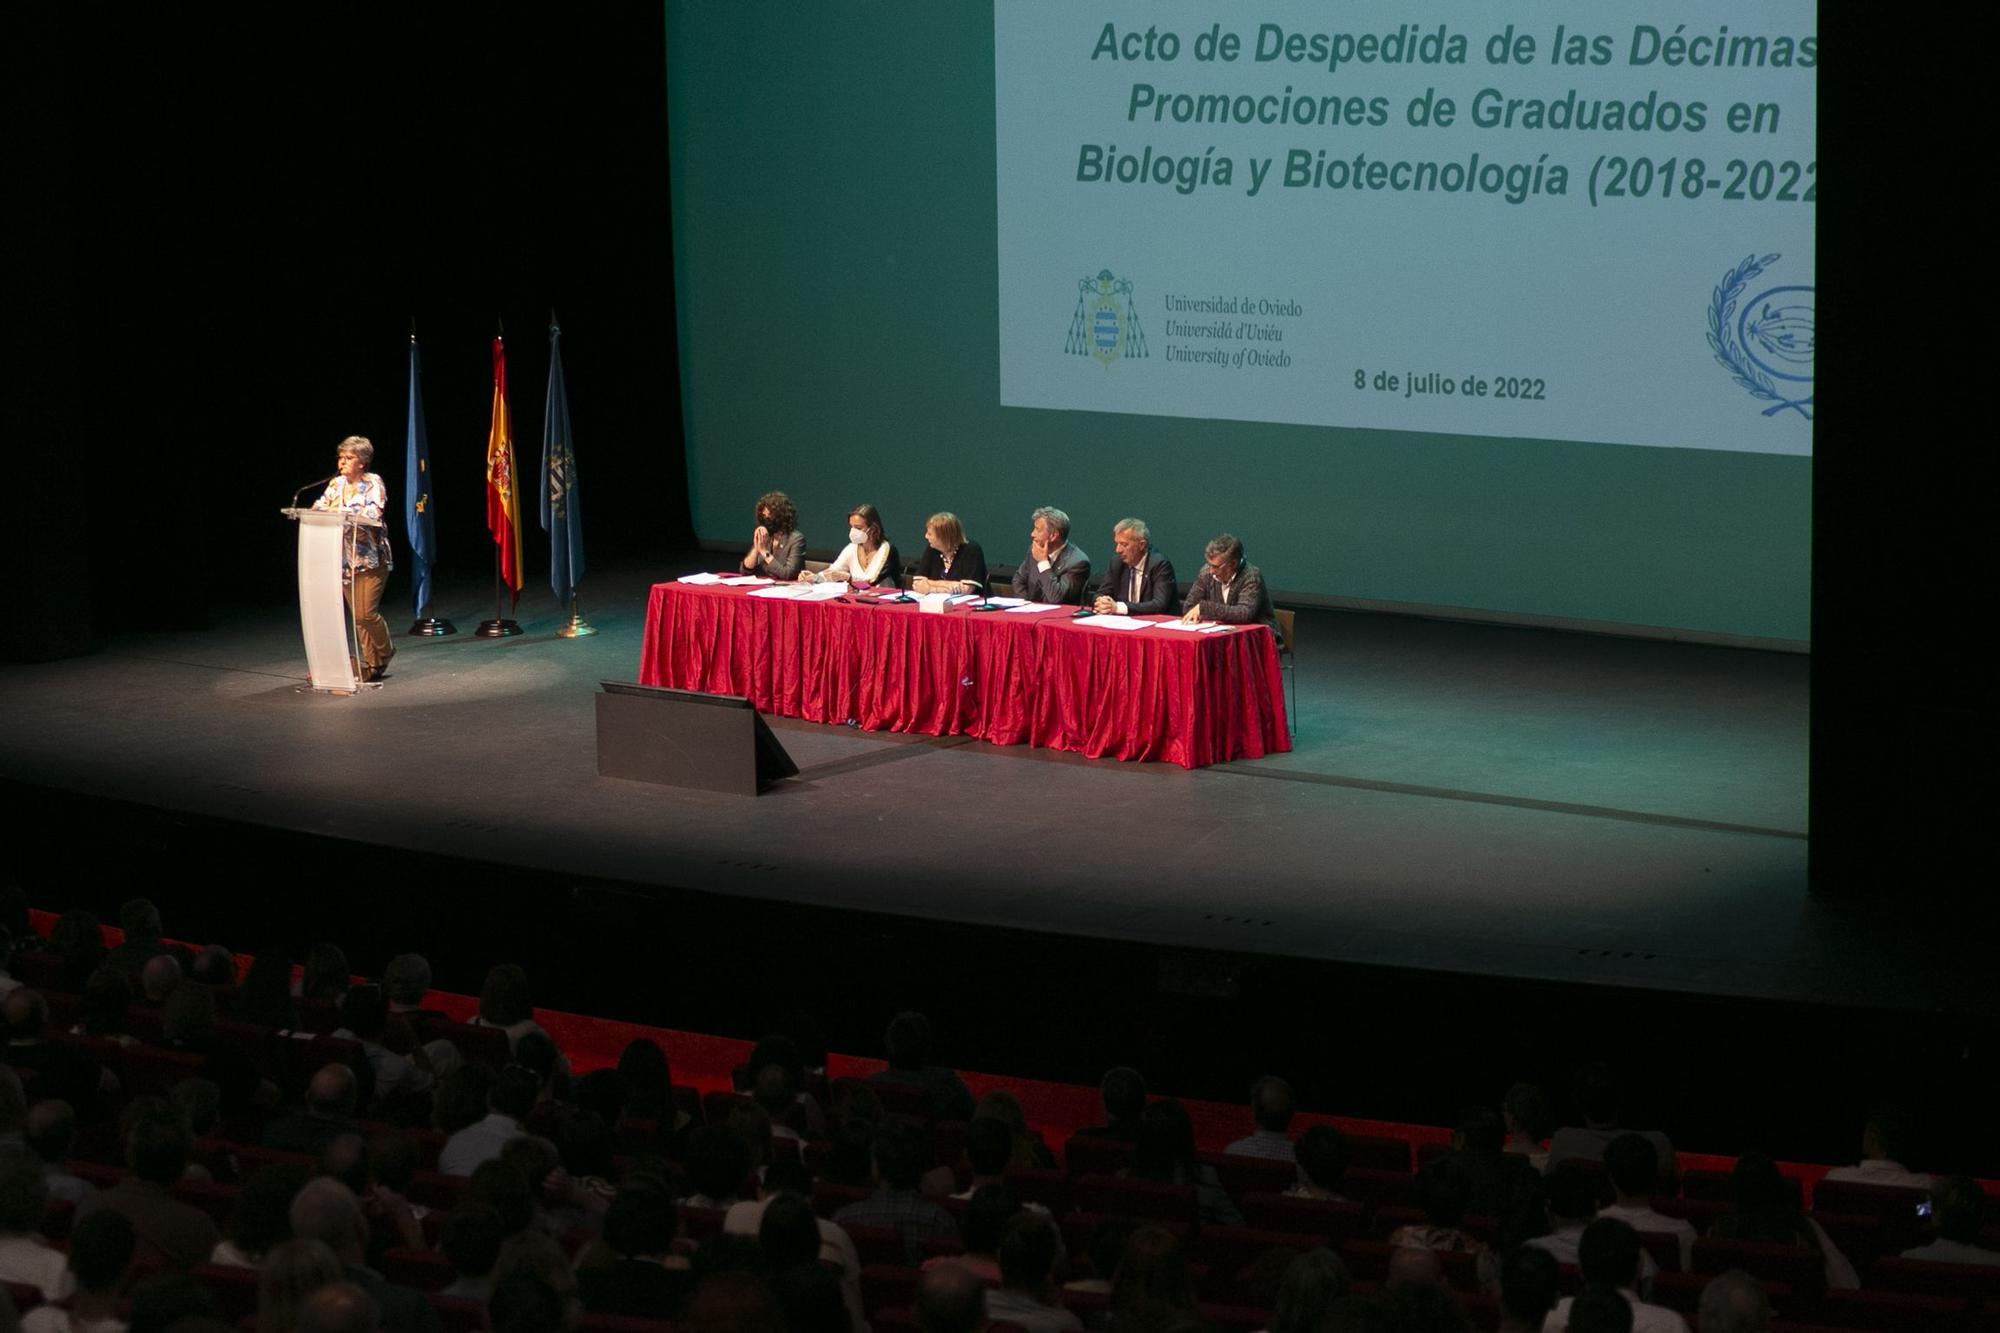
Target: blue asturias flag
{"x": 417, "y": 512}
{"x": 561, "y": 518}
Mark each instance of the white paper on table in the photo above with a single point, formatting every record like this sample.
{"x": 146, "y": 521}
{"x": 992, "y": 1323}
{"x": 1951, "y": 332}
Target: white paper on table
{"x": 1009, "y": 602}
{"x": 1119, "y": 622}
{"x": 699, "y": 579}
{"x": 1032, "y": 608}
{"x": 1194, "y": 627}
{"x": 744, "y": 581}
{"x": 961, "y": 598}
{"x": 824, "y": 592}
{"x": 788, "y": 591}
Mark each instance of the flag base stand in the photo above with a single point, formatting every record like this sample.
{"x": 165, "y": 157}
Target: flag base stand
{"x": 577, "y": 627}
{"x": 497, "y": 629}
{"x": 431, "y": 626}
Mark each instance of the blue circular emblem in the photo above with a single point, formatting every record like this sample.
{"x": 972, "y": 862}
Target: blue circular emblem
{"x": 1775, "y": 330}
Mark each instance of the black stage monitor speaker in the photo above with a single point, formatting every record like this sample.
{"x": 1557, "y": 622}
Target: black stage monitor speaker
{"x": 681, "y": 738}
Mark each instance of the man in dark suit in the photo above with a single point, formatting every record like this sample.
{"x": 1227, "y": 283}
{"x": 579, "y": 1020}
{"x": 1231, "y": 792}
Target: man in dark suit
{"x": 1229, "y": 590}
{"x": 1055, "y": 571}
{"x": 1139, "y": 582}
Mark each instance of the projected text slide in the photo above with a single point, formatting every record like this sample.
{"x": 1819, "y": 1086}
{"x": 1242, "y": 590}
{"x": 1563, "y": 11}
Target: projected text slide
{"x": 1568, "y": 221}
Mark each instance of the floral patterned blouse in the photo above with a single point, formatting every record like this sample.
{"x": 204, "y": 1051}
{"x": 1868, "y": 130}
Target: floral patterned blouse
{"x": 369, "y": 500}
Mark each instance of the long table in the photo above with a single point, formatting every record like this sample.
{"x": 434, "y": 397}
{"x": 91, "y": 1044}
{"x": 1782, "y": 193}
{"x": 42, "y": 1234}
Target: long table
{"x": 1011, "y": 679}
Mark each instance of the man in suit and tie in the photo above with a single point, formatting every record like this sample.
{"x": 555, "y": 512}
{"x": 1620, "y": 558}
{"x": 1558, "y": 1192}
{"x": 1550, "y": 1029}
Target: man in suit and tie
{"x": 1230, "y": 590}
{"x": 1139, "y": 582}
{"x": 1055, "y": 570}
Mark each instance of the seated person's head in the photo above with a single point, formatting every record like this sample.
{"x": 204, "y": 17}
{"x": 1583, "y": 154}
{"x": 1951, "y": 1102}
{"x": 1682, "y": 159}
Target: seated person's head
{"x": 501, "y": 1186}
{"x": 717, "y": 1162}
{"x": 1443, "y": 1190}
{"x": 1570, "y": 1194}
{"x": 338, "y": 1307}
{"x": 789, "y": 1233}
{"x": 1313, "y": 1281}
{"x": 1123, "y": 1091}
{"x": 951, "y": 1299}
{"x": 1029, "y": 1247}
{"x": 772, "y": 1089}
{"x": 643, "y": 1219}
{"x": 515, "y": 1089}
{"x": 1272, "y": 1104}
{"x": 1735, "y": 1302}
{"x": 1322, "y": 1156}
{"x": 1608, "y": 1253}
{"x": 101, "y": 1249}
{"x": 345, "y": 1159}
{"x": 989, "y": 1145}
{"x": 332, "y": 1093}
{"x": 908, "y": 1041}
{"x": 365, "y": 1012}
{"x": 1601, "y": 1310}
{"x": 1633, "y": 1164}
{"x": 471, "y": 1238}
{"x": 899, "y": 1154}
{"x": 1528, "y": 1278}
{"x": 1526, "y": 1111}
{"x": 327, "y": 1211}
{"x": 157, "y": 1141}
{"x": 1481, "y": 1129}
{"x": 1956, "y": 1203}
{"x": 407, "y": 980}
{"x": 987, "y": 1214}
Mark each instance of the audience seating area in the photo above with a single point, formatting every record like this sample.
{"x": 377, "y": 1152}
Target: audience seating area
{"x": 1871, "y": 1224}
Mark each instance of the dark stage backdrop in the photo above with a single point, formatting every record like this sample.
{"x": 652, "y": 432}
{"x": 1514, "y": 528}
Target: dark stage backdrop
{"x": 256, "y": 205}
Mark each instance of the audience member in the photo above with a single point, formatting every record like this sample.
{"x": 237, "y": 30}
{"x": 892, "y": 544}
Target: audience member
{"x": 326, "y": 975}
{"x": 1734, "y": 1302}
{"x": 1600, "y": 1098}
{"x": 646, "y": 1280}
{"x": 1443, "y": 1188}
{"x": 101, "y": 1251}
{"x": 508, "y": 1105}
{"x": 159, "y": 978}
{"x": 24, "y": 1200}
{"x": 460, "y": 1098}
{"x": 406, "y": 984}
{"x": 896, "y": 1204}
{"x": 338, "y": 1307}
{"x": 989, "y": 1150}
{"x": 539, "y": 1256}
{"x": 1153, "y": 1290}
{"x": 1767, "y": 1209}
{"x": 331, "y": 1097}
{"x": 1528, "y": 1289}
{"x": 1029, "y": 1248}
{"x": 1321, "y": 1153}
{"x": 215, "y": 967}
{"x": 1165, "y": 1153}
{"x": 907, "y": 1044}
{"x": 364, "y": 1017}
{"x": 950, "y": 1300}
{"x": 836, "y": 1247}
{"x": 505, "y": 1002}
{"x": 1609, "y": 1254}
{"x": 157, "y": 1149}
{"x": 1601, "y": 1310}
{"x": 501, "y": 1186}
{"x": 470, "y": 1241}
{"x": 812, "y": 1297}
{"x": 107, "y": 995}
{"x": 50, "y": 1131}
{"x": 1884, "y": 1144}
{"x": 1956, "y": 1204}
{"x": 1123, "y": 1092}
{"x": 293, "y": 1270}
{"x": 1499, "y": 1184}
{"x": 1526, "y": 1112}
{"x": 1029, "y": 1152}
{"x": 718, "y": 1166}
{"x": 327, "y": 1211}
{"x": 987, "y": 1214}
{"x": 1570, "y": 1200}
{"x": 1312, "y": 1283}
{"x": 1271, "y": 1108}
{"x": 1106, "y": 1247}
{"x": 261, "y": 1219}
{"x": 1634, "y": 1167}
{"x": 139, "y": 919}
{"x": 265, "y": 997}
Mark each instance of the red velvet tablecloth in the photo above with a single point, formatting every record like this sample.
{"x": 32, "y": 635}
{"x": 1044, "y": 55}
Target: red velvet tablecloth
{"x": 1047, "y": 680}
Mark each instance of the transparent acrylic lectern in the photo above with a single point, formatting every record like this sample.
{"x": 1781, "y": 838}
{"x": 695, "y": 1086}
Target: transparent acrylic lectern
{"x": 325, "y": 536}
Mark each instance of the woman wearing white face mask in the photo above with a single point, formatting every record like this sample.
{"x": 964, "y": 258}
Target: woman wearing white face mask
{"x": 868, "y": 558}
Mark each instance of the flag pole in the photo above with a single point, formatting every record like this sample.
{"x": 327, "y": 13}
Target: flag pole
{"x": 427, "y": 625}
{"x": 578, "y": 627}
{"x": 500, "y": 627}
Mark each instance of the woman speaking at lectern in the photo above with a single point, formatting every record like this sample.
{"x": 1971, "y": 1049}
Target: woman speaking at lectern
{"x": 366, "y": 559}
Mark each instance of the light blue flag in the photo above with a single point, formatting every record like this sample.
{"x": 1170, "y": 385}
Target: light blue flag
{"x": 561, "y": 518}
{"x": 417, "y": 510}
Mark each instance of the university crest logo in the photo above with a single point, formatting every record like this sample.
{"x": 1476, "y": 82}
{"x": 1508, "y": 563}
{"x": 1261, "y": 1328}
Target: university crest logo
{"x": 1106, "y": 323}
{"x": 1765, "y": 342}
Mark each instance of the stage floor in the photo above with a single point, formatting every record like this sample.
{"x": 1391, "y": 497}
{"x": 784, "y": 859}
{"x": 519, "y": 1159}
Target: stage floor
{"x": 1463, "y": 797}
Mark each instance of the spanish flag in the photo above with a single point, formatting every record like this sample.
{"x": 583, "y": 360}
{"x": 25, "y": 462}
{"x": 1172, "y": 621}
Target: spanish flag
{"x": 503, "y": 492}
